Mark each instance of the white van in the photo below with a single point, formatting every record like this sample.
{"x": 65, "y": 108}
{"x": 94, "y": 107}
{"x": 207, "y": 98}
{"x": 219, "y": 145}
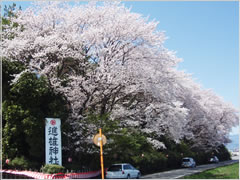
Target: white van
{"x": 122, "y": 171}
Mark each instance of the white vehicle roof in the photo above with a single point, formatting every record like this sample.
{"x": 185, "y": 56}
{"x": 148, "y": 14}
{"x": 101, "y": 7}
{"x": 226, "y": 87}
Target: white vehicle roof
{"x": 187, "y": 158}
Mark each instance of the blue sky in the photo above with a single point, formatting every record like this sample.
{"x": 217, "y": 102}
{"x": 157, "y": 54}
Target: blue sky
{"x": 204, "y": 34}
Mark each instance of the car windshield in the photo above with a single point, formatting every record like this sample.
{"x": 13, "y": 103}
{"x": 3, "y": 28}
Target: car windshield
{"x": 186, "y": 160}
{"x": 115, "y": 168}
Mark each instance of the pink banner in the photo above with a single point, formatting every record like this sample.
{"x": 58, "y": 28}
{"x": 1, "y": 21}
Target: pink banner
{"x": 38, "y": 175}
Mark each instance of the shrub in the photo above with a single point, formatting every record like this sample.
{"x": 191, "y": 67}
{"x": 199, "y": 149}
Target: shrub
{"x": 174, "y": 159}
{"x": 19, "y": 163}
{"x": 151, "y": 162}
{"x": 53, "y": 168}
{"x": 202, "y": 157}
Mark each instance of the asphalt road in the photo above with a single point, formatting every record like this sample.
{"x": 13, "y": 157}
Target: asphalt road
{"x": 178, "y": 173}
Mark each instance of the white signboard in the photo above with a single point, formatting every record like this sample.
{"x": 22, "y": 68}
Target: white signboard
{"x": 53, "y": 143}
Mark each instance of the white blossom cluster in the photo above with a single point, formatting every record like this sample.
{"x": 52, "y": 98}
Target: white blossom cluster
{"x": 107, "y": 59}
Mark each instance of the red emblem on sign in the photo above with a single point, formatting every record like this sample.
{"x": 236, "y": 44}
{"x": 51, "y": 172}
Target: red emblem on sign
{"x": 53, "y": 122}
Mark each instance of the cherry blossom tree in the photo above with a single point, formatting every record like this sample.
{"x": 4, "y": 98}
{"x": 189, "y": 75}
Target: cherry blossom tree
{"x": 105, "y": 59}
{"x": 210, "y": 119}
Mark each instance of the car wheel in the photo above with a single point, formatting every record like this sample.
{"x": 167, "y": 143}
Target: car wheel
{"x": 138, "y": 176}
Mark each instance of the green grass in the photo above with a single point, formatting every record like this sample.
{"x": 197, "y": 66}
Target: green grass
{"x": 225, "y": 172}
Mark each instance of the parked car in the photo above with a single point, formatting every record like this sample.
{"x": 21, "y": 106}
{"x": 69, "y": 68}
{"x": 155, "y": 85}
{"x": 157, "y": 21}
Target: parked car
{"x": 122, "y": 171}
{"x": 188, "y": 162}
{"x": 214, "y": 159}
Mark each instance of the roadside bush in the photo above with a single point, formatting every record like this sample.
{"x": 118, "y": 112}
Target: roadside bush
{"x": 52, "y": 169}
{"x": 19, "y": 163}
{"x": 151, "y": 162}
{"x": 202, "y": 157}
{"x": 174, "y": 159}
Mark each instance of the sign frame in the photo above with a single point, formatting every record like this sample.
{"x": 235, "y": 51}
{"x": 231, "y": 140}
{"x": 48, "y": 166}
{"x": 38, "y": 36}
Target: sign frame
{"x": 53, "y": 141}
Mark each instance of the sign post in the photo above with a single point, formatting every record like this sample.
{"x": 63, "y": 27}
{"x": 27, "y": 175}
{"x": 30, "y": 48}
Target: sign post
{"x": 101, "y": 152}
{"x": 100, "y": 140}
{"x": 53, "y": 145}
